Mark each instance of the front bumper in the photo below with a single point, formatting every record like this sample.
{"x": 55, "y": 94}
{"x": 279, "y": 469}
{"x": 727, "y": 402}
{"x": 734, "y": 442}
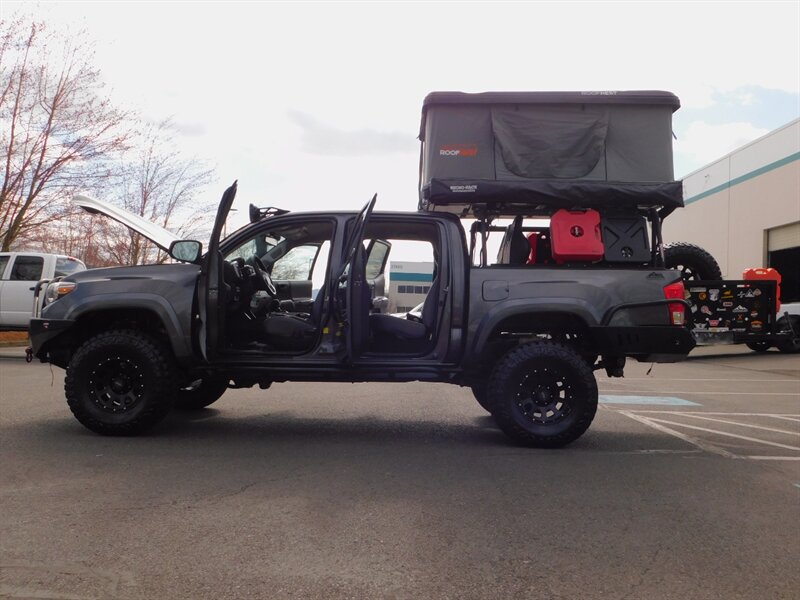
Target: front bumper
{"x": 663, "y": 344}
{"x": 44, "y": 331}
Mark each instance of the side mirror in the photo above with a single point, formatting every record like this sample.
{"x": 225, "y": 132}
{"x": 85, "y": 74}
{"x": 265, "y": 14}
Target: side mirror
{"x": 186, "y": 250}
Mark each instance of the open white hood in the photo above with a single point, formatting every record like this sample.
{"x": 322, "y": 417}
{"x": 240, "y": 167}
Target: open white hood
{"x": 155, "y": 233}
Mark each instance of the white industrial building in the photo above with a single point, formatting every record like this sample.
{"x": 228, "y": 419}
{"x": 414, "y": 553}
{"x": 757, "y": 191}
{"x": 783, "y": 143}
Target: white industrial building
{"x": 745, "y": 209}
{"x": 409, "y": 283}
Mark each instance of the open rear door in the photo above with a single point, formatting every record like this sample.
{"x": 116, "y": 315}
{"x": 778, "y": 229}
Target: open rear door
{"x": 353, "y": 290}
{"x": 211, "y": 281}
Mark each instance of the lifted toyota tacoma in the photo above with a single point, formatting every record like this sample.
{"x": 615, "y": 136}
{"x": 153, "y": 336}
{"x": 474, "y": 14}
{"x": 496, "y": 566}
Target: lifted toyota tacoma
{"x": 292, "y": 297}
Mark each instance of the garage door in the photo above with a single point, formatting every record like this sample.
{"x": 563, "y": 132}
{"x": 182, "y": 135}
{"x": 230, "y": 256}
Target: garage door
{"x": 784, "y": 237}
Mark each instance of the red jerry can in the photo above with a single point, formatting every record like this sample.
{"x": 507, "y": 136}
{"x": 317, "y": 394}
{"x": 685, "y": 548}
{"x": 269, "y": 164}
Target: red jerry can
{"x": 769, "y": 274}
{"x": 575, "y": 236}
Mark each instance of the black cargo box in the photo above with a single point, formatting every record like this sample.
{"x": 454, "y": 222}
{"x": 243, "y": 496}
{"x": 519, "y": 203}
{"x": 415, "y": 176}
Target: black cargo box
{"x": 547, "y": 150}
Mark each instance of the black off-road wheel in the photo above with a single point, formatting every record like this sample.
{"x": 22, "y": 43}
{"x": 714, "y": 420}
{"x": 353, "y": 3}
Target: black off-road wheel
{"x": 692, "y": 261}
{"x": 120, "y": 383}
{"x": 481, "y": 395}
{"x": 207, "y": 391}
{"x": 543, "y": 394}
{"x": 791, "y": 326}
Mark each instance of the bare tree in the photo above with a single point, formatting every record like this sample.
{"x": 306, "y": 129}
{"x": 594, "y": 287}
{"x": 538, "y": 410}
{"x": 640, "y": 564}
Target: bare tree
{"x": 74, "y": 233}
{"x": 57, "y": 127}
{"x": 159, "y": 184}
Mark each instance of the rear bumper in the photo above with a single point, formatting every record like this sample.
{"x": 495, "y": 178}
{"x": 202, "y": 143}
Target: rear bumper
{"x": 648, "y": 344}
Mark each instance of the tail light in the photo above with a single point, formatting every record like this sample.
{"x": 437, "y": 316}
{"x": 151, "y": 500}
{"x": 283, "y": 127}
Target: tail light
{"x": 677, "y": 310}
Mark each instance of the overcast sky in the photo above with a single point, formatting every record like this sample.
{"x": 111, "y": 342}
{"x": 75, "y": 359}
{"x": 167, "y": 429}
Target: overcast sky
{"x": 314, "y": 106}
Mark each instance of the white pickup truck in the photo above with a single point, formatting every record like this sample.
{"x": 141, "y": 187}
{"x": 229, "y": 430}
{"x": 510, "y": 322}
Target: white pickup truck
{"x": 19, "y": 273}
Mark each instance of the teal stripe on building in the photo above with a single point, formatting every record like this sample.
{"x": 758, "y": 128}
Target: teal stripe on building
{"x": 395, "y": 276}
{"x": 741, "y": 179}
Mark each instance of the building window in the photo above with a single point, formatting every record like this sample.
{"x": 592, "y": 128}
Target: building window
{"x": 418, "y": 289}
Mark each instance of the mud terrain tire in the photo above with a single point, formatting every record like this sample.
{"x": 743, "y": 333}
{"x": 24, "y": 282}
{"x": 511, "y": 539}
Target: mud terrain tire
{"x": 543, "y": 394}
{"x": 120, "y": 383}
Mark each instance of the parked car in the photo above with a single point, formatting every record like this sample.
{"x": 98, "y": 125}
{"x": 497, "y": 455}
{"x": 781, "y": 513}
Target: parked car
{"x": 19, "y": 273}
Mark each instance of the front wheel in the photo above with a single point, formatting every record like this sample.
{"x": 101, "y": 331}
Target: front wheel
{"x": 120, "y": 383}
{"x": 543, "y": 394}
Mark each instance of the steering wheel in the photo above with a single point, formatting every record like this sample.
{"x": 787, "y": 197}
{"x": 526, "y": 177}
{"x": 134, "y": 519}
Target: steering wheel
{"x": 262, "y": 275}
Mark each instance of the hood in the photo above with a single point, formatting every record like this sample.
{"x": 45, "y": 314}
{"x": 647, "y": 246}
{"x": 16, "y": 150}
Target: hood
{"x": 155, "y": 233}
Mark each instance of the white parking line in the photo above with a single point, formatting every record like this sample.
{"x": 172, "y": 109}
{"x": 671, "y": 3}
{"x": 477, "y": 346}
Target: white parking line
{"x": 686, "y": 438}
{"x": 726, "y": 434}
{"x": 791, "y": 417}
{"x": 717, "y": 379}
{"x": 740, "y": 424}
{"x": 785, "y": 417}
{"x": 773, "y": 457}
{"x": 711, "y": 392}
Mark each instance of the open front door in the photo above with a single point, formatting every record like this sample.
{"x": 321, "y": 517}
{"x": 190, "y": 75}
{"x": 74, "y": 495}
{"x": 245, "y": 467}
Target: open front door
{"x": 353, "y": 289}
{"x": 209, "y": 289}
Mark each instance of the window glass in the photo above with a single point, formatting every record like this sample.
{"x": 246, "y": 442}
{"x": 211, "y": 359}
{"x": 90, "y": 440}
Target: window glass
{"x": 68, "y": 266}
{"x": 320, "y": 268}
{"x": 3, "y": 264}
{"x": 246, "y": 250}
{"x": 27, "y": 268}
{"x": 375, "y": 261}
{"x": 297, "y": 252}
{"x": 295, "y": 264}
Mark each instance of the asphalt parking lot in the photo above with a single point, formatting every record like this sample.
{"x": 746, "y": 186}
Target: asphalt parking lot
{"x": 686, "y": 486}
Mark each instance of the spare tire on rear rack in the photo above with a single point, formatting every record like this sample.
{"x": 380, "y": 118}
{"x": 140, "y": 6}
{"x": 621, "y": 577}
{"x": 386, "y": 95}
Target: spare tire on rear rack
{"x": 692, "y": 261}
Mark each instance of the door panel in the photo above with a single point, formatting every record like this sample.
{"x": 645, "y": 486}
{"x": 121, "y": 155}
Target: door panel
{"x": 352, "y": 275}
{"x": 17, "y": 307}
{"x": 210, "y": 305}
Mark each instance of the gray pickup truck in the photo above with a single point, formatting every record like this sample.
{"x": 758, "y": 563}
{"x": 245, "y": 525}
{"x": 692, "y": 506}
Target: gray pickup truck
{"x": 289, "y": 297}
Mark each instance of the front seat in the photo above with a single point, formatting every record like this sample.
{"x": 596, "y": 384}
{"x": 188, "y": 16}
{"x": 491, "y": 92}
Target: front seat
{"x": 291, "y": 331}
{"x": 406, "y": 329}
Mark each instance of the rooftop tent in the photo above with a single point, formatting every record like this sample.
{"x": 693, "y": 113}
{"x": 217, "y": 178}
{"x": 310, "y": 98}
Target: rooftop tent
{"x": 547, "y": 150}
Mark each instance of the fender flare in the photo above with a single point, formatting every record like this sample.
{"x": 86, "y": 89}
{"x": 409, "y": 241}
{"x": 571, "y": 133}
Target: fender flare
{"x": 179, "y": 334}
{"x": 574, "y": 307}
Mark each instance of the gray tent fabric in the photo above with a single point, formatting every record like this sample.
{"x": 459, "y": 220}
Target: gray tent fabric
{"x": 565, "y": 149}
{"x": 545, "y": 141}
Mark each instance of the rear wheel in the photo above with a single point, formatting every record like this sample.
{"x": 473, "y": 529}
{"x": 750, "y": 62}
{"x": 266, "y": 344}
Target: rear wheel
{"x": 543, "y": 394}
{"x": 120, "y": 383}
{"x": 692, "y": 261}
